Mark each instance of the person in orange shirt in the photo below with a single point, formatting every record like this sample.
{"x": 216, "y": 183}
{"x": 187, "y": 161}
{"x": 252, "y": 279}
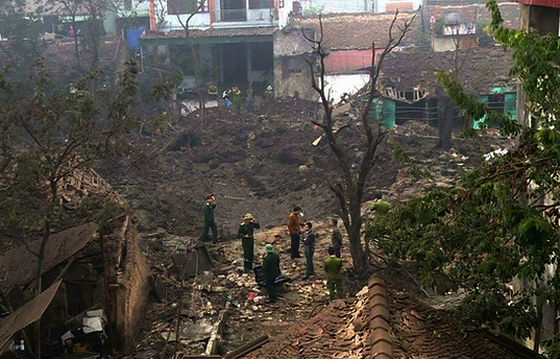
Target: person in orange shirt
{"x": 294, "y": 228}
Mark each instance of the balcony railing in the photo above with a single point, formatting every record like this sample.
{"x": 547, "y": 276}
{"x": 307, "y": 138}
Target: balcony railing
{"x": 231, "y": 15}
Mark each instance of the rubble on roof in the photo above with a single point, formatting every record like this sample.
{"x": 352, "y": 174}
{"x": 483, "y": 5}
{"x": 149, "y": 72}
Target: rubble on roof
{"x": 406, "y": 71}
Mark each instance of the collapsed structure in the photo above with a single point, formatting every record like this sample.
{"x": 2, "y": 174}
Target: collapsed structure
{"x": 385, "y": 323}
{"x": 83, "y": 271}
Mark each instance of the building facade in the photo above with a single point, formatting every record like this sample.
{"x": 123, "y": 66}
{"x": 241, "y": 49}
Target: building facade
{"x": 233, "y": 38}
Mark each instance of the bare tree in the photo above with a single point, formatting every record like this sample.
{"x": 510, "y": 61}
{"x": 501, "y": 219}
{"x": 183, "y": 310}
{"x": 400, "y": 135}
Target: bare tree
{"x": 195, "y": 55}
{"x": 351, "y": 191}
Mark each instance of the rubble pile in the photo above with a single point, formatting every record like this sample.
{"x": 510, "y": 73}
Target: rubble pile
{"x": 227, "y": 288}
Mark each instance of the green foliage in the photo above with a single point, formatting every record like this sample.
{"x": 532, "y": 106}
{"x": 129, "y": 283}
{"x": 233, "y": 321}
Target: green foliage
{"x": 47, "y": 135}
{"x": 20, "y": 33}
{"x": 501, "y": 222}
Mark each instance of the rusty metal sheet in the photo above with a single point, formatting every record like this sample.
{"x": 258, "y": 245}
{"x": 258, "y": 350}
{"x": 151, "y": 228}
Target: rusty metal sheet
{"x": 19, "y": 266}
{"x": 26, "y": 315}
{"x": 348, "y": 61}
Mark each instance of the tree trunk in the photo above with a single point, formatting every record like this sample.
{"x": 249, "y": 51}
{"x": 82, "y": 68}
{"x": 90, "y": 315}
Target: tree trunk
{"x": 445, "y": 123}
{"x": 359, "y": 257}
{"x": 76, "y": 46}
{"x": 538, "y": 328}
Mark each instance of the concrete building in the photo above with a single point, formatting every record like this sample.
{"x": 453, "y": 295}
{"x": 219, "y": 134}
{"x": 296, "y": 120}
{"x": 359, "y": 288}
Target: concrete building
{"x": 234, "y": 38}
{"x": 307, "y": 7}
{"x": 349, "y": 56}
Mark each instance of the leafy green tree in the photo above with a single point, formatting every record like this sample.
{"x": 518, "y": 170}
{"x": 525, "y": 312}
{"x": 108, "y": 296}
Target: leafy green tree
{"x": 47, "y": 135}
{"x": 19, "y": 35}
{"x": 501, "y": 223}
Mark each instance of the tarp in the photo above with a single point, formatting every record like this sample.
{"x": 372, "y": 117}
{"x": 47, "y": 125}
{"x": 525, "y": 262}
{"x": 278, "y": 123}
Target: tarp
{"x": 26, "y": 315}
{"x": 132, "y": 37}
{"x": 19, "y": 266}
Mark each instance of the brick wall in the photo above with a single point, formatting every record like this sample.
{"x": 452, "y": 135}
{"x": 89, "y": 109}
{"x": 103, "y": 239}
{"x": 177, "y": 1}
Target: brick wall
{"x": 132, "y": 293}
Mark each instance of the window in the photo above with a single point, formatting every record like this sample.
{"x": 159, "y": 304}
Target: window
{"x": 280, "y": 4}
{"x": 175, "y": 7}
{"x": 261, "y": 4}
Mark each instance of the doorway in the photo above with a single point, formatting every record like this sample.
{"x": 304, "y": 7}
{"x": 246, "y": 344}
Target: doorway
{"x": 234, "y": 60}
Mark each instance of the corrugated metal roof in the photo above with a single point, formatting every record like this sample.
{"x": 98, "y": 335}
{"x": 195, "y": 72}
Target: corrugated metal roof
{"x": 26, "y": 315}
{"x": 19, "y": 266}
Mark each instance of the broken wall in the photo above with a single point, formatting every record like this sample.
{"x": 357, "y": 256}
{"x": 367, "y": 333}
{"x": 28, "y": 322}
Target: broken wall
{"x": 291, "y": 72}
{"x": 448, "y": 43}
{"x": 132, "y": 291}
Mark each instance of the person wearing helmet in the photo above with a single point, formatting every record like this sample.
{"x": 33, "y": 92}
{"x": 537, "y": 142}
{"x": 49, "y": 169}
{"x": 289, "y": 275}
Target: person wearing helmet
{"x": 209, "y": 222}
{"x": 245, "y": 232}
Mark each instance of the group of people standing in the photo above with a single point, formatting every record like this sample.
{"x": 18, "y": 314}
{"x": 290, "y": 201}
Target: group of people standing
{"x": 300, "y": 232}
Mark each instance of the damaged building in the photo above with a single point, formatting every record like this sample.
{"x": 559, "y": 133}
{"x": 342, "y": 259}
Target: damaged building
{"x": 349, "y": 57}
{"x": 408, "y": 82}
{"x": 94, "y": 285}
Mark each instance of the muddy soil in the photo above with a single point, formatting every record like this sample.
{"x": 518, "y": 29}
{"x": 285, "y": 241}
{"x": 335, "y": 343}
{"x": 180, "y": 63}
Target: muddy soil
{"x": 265, "y": 164}
{"x": 261, "y": 164}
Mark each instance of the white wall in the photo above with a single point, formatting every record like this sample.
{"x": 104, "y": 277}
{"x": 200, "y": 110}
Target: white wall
{"x": 255, "y": 17}
{"x": 337, "y": 85}
{"x": 139, "y": 8}
{"x": 338, "y": 6}
{"x": 284, "y": 13}
{"x": 197, "y": 21}
{"x": 380, "y": 5}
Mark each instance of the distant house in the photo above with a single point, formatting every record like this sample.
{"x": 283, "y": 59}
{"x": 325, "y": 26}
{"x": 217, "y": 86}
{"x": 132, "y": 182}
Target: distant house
{"x": 348, "y": 38}
{"x": 461, "y": 26}
{"x": 116, "y": 16}
{"x": 408, "y": 82}
{"x": 307, "y": 7}
{"x": 234, "y": 37}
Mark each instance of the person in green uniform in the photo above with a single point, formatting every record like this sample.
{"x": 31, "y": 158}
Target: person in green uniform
{"x": 333, "y": 267}
{"x": 209, "y": 222}
{"x": 271, "y": 267}
{"x": 245, "y": 232}
{"x": 379, "y": 206}
{"x": 336, "y": 237}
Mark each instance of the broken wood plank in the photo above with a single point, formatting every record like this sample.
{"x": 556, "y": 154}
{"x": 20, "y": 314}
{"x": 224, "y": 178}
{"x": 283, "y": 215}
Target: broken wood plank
{"x": 247, "y": 348}
{"x": 217, "y": 332}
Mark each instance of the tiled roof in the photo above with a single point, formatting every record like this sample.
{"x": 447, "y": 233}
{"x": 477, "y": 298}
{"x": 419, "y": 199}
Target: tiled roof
{"x": 405, "y": 71}
{"x": 356, "y": 31}
{"x": 382, "y": 324}
{"x": 214, "y": 32}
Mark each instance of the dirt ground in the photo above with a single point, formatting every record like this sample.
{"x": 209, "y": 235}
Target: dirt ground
{"x": 262, "y": 165}
{"x": 300, "y": 299}
{"x": 265, "y": 164}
